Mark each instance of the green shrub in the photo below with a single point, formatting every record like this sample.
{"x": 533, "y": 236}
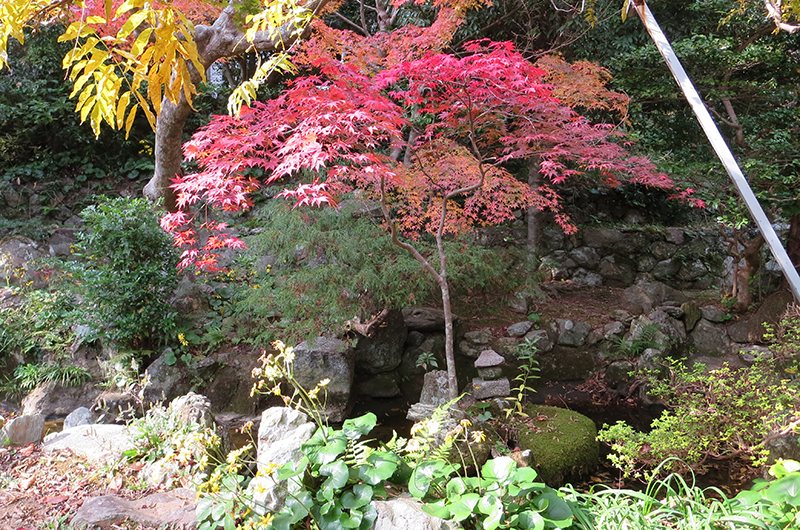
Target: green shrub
{"x": 722, "y": 413}
{"x": 125, "y": 274}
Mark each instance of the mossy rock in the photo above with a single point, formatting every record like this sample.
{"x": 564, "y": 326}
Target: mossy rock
{"x": 563, "y": 443}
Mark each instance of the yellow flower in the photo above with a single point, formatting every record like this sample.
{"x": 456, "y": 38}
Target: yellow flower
{"x": 276, "y": 390}
{"x": 313, "y": 392}
{"x": 266, "y": 520}
{"x": 270, "y": 468}
{"x": 182, "y": 339}
{"x": 466, "y": 423}
{"x": 478, "y": 437}
{"x": 417, "y": 427}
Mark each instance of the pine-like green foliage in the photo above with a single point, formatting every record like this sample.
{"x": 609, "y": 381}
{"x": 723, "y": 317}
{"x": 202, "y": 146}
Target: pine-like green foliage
{"x": 312, "y": 270}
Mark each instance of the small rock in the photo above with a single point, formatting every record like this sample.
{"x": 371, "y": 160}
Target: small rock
{"x": 520, "y": 328}
{"x": 419, "y": 412}
{"x": 479, "y": 336}
{"x": 424, "y": 319}
{"x": 194, "y": 408}
{"x": 518, "y": 303}
{"x": 79, "y": 416}
{"x": 23, "y": 430}
{"x": 506, "y": 345}
{"x": 750, "y": 354}
{"x": 97, "y": 442}
{"x": 584, "y": 278}
{"x": 691, "y": 315}
{"x": 169, "y": 509}
{"x": 405, "y": 513}
{"x": 488, "y": 359}
{"x": 714, "y": 314}
{"x": 541, "y": 339}
{"x": 621, "y": 315}
{"x": 613, "y": 330}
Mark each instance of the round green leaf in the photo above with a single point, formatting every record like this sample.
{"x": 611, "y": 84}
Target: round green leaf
{"x": 355, "y": 428}
{"x": 528, "y": 520}
{"x": 380, "y": 465}
{"x": 360, "y": 496}
{"x": 323, "y": 450}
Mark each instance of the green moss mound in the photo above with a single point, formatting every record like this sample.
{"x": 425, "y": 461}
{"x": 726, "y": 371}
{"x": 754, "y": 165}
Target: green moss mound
{"x": 563, "y": 443}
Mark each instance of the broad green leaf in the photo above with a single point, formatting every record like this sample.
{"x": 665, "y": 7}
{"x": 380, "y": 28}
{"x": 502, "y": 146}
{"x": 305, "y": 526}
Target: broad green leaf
{"x": 320, "y": 450}
{"x": 554, "y": 509}
{"x": 380, "y": 466}
{"x": 456, "y": 487}
{"x": 355, "y": 428}
{"x": 360, "y": 496}
{"x": 424, "y": 474}
{"x": 498, "y": 469}
{"x": 786, "y": 489}
{"x": 528, "y": 520}
{"x": 464, "y": 506}
{"x": 338, "y": 474}
{"x": 492, "y": 506}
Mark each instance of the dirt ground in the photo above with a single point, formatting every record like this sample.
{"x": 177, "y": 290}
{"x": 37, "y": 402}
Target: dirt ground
{"x": 44, "y": 490}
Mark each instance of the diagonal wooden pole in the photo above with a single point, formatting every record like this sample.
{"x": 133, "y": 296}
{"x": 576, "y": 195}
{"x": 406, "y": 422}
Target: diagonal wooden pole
{"x": 720, "y": 147}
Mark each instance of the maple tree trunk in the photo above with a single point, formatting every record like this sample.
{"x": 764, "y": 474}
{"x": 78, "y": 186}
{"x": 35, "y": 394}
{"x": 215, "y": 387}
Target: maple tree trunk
{"x": 168, "y": 151}
{"x": 534, "y": 214}
{"x": 793, "y": 240}
{"x": 449, "y": 336}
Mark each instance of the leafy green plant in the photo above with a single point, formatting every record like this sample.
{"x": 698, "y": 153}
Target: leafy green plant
{"x": 124, "y": 275}
{"x": 528, "y": 372}
{"x": 163, "y": 435}
{"x": 501, "y": 496}
{"x": 778, "y": 500}
{"x": 427, "y": 360}
{"x": 722, "y": 413}
{"x": 29, "y": 376}
{"x": 632, "y": 347}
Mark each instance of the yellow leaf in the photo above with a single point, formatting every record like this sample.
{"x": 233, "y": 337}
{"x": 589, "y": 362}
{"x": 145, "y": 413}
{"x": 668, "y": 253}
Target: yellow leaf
{"x": 129, "y": 121}
{"x": 141, "y": 41}
{"x": 109, "y": 5}
{"x": 88, "y": 91}
{"x": 94, "y": 19}
{"x": 87, "y": 108}
{"x": 132, "y": 23}
{"x": 79, "y": 84}
{"x": 122, "y": 106}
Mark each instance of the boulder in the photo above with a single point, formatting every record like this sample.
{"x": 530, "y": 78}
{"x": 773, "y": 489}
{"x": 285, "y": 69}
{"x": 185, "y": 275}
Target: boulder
{"x": 482, "y": 389}
{"x": 97, "y": 443}
{"x": 644, "y": 296}
{"x": 750, "y": 354}
{"x": 475, "y": 342}
{"x": 518, "y": 303}
{"x": 691, "y": 315}
{"x": 282, "y": 432}
{"x": 326, "y": 357}
{"x": 18, "y": 257}
{"x": 54, "y": 401}
{"x": 663, "y": 250}
{"x": 563, "y": 443}
{"x": 692, "y": 271}
{"x": 617, "y": 271}
{"x": 565, "y": 363}
{"x": 666, "y": 269}
{"x": 173, "y": 509}
{"x": 406, "y": 513}
{"x": 585, "y": 257}
{"x": 79, "y": 416}
{"x": 23, "y": 430}
{"x": 584, "y": 278}
{"x": 424, "y": 319}
{"x": 506, "y": 346}
{"x": 165, "y": 381}
{"x": 194, "y": 408}
{"x": 713, "y": 313}
{"x": 571, "y": 333}
{"x": 710, "y": 339}
{"x": 613, "y": 330}
{"x": 435, "y": 389}
{"x": 519, "y": 329}
{"x": 541, "y": 338}
{"x": 383, "y": 351}
{"x": 602, "y": 237}
{"x": 769, "y": 312}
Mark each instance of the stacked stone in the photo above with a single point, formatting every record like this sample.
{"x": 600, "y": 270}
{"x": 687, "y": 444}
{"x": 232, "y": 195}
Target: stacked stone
{"x": 490, "y": 381}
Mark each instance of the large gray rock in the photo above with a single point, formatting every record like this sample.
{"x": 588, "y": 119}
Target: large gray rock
{"x": 326, "y": 357}
{"x": 164, "y": 381}
{"x": 173, "y": 509}
{"x": 644, "y": 296}
{"x": 79, "y": 416}
{"x": 571, "y": 333}
{"x": 666, "y": 269}
{"x": 617, "y": 271}
{"x": 602, "y": 237}
{"x": 663, "y": 250}
{"x": 404, "y": 513}
{"x": 586, "y": 257}
{"x": 475, "y": 342}
{"x": 519, "y": 329}
{"x": 584, "y": 278}
{"x": 97, "y": 443}
{"x": 482, "y": 389}
{"x": 54, "y": 401}
{"x": 194, "y": 408}
{"x": 424, "y": 319}
{"x": 23, "y": 430}
{"x": 282, "y": 432}
{"x": 710, "y": 339}
{"x": 541, "y": 338}
{"x": 18, "y": 256}
{"x": 383, "y": 351}
{"x": 435, "y": 389}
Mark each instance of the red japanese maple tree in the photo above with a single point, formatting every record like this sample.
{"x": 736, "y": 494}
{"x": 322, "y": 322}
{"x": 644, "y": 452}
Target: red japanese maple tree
{"x": 428, "y": 137}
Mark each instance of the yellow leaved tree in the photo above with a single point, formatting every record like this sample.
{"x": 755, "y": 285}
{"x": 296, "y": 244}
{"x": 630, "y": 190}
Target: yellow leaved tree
{"x": 150, "y": 56}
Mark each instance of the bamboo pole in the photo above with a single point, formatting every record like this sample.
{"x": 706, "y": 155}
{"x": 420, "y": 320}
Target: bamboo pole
{"x": 720, "y": 147}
